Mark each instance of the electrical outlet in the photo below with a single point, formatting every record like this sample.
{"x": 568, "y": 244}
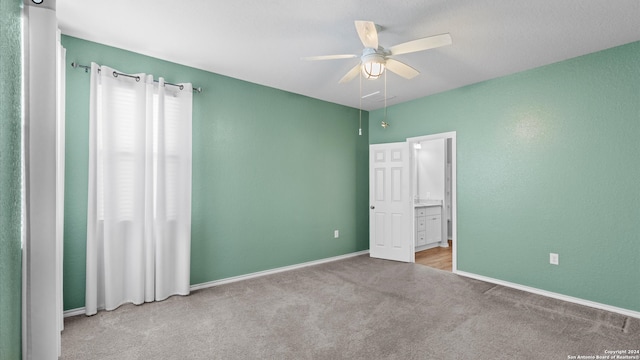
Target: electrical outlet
{"x": 553, "y": 259}
{"x": 336, "y": 234}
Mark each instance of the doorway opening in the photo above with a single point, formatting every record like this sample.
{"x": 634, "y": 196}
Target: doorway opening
{"x": 433, "y": 191}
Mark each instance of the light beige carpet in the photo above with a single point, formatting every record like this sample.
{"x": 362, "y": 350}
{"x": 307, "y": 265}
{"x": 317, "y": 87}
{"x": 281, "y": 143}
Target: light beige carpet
{"x": 359, "y": 308}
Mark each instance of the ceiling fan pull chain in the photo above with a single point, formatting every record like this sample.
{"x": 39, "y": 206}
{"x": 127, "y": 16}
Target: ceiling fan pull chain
{"x": 360, "y": 108}
{"x": 385, "y": 124}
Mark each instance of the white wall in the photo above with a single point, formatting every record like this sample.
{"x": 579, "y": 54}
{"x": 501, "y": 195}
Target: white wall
{"x": 431, "y": 160}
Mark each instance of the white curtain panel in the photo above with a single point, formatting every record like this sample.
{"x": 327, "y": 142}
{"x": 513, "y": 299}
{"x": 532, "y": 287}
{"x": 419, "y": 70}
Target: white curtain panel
{"x": 173, "y": 190}
{"x": 139, "y": 209}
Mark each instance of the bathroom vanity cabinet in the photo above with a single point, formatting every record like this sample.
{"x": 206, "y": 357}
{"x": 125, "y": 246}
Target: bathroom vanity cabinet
{"x": 428, "y": 225}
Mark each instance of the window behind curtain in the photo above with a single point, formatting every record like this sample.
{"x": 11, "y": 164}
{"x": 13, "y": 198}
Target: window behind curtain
{"x": 124, "y": 100}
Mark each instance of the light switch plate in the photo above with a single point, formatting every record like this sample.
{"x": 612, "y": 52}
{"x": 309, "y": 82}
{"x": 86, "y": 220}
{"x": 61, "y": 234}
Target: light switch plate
{"x": 336, "y": 234}
{"x": 553, "y": 259}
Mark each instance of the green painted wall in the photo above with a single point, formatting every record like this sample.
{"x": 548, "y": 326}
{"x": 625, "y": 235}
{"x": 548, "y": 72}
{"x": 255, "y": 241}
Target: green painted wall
{"x": 547, "y": 162}
{"x": 274, "y": 173}
{"x": 10, "y": 179}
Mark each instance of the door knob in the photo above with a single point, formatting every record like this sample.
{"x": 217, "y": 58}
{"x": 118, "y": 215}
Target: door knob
{"x": 372, "y": 207}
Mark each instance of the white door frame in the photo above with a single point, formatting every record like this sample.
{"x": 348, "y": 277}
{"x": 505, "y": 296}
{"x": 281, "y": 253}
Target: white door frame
{"x": 454, "y": 207}
{"x": 40, "y": 311}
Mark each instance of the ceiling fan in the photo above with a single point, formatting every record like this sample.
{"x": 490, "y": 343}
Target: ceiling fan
{"x": 375, "y": 58}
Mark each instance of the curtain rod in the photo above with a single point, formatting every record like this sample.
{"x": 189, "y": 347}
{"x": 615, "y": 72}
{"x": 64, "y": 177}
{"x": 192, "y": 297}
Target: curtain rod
{"x": 86, "y": 68}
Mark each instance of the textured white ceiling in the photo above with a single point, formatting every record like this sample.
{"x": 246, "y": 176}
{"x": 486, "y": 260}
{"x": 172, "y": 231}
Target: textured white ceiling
{"x": 263, "y": 41}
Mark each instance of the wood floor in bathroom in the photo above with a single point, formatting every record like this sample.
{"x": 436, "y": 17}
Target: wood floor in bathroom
{"x": 439, "y": 257}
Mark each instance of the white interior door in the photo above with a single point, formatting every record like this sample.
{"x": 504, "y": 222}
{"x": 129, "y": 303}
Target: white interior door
{"x": 390, "y": 204}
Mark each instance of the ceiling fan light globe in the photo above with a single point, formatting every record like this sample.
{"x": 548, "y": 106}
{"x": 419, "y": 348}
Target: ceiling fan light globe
{"x": 372, "y": 70}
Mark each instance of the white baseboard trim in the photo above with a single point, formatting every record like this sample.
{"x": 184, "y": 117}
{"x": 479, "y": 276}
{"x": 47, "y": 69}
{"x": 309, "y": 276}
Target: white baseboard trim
{"x": 274, "y": 271}
{"x": 550, "y": 294}
{"x": 74, "y": 312}
{"x": 81, "y": 311}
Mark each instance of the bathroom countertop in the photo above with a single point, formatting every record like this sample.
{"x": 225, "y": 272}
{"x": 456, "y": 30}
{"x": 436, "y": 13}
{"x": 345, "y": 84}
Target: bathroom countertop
{"x": 424, "y": 203}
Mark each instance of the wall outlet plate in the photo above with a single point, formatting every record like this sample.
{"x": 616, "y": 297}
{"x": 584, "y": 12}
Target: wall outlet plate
{"x": 336, "y": 234}
{"x": 553, "y": 259}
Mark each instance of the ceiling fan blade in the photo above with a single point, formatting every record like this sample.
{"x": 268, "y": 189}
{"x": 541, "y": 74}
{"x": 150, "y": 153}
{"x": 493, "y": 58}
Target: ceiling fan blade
{"x": 367, "y": 33}
{"x": 401, "y": 69}
{"x": 329, "y": 57}
{"x": 355, "y": 71}
{"x": 427, "y": 43}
